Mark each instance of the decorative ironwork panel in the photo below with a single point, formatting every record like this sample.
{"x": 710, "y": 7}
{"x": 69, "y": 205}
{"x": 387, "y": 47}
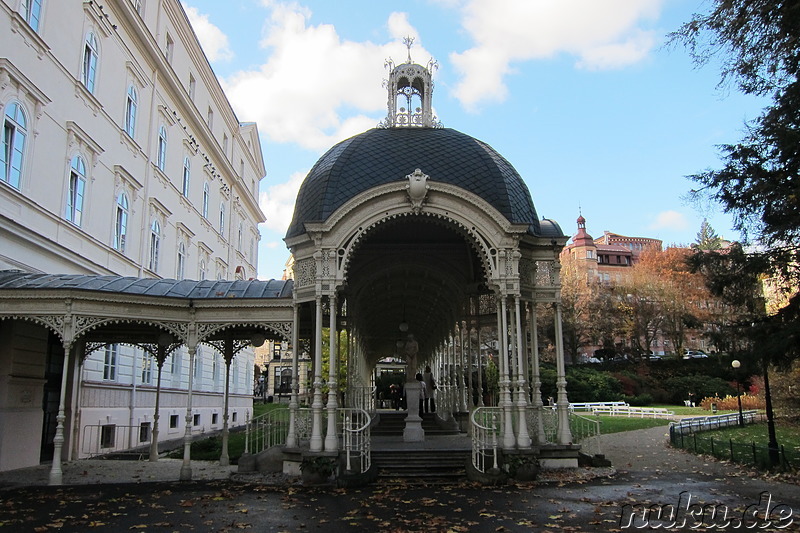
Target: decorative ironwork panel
{"x": 305, "y": 272}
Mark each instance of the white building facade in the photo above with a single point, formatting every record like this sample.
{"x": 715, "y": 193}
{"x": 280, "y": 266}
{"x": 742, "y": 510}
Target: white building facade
{"x": 120, "y": 155}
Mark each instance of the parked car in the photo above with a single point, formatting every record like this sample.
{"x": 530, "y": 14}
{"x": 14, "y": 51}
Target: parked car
{"x": 694, "y": 354}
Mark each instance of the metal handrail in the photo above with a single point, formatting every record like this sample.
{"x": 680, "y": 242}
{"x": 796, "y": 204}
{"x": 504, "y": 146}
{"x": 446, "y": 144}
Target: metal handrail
{"x": 487, "y": 424}
{"x": 352, "y": 427}
{"x": 102, "y": 439}
{"x": 355, "y": 425}
{"x": 703, "y": 423}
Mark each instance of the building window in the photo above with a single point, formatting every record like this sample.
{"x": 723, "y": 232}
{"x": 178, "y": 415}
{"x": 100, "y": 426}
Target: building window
{"x": 179, "y": 271}
{"x": 147, "y": 368}
{"x": 196, "y": 367}
{"x": 90, "y": 55}
{"x": 107, "y": 435}
{"x": 210, "y": 118}
{"x": 110, "y": 363}
{"x": 202, "y": 269}
{"x": 161, "y": 154}
{"x": 175, "y": 364}
{"x": 192, "y": 87}
{"x": 32, "y": 11}
{"x": 173, "y": 421}
{"x": 187, "y": 172}
{"x": 169, "y": 49}
{"x": 222, "y": 219}
{"x": 131, "y": 103}
{"x": 196, "y": 420}
{"x": 144, "y": 432}
{"x": 77, "y": 186}
{"x": 239, "y": 237}
{"x": 276, "y": 351}
{"x": 121, "y": 227}
{"x": 214, "y": 419}
{"x": 214, "y": 369}
{"x": 225, "y": 144}
{"x": 13, "y": 149}
{"x": 137, "y": 5}
{"x": 205, "y": 200}
{"x": 233, "y": 417}
{"x": 155, "y": 244}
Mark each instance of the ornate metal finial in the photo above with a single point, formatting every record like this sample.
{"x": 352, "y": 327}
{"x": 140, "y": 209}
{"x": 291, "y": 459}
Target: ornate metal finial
{"x": 409, "y": 42}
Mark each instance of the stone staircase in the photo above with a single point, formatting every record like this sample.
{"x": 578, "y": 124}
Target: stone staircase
{"x": 420, "y": 466}
{"x": 392, "y": 423}
{"x": 441, "y": 458}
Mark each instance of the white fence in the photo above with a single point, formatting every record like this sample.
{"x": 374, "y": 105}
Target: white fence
{"x": 105, "y": 439}
{"x": 634, "y": 412}
{"x": 704, "y": 423}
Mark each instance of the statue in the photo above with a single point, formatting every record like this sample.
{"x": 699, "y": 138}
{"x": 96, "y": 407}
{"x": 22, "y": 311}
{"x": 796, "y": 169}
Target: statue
{"x": 412, "y": 349}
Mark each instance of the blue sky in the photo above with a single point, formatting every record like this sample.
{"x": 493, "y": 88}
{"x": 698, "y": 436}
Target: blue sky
{"x": 581, "y": 96}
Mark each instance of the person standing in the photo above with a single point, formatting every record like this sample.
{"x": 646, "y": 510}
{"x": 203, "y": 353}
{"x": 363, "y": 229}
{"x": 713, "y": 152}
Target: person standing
{"x": 423, "y": 395}
{"x": 430, "y": 386}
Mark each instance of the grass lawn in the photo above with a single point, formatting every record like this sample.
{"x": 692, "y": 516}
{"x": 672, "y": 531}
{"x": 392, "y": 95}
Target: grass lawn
{"x": 615, "y": 424}
{"x": 690, "y": 411}
{"x": 788, "y": 435}
{"x": 747, "y": 444}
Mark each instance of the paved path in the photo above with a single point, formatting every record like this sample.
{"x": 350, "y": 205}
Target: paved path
{"x": 650, "y": 476}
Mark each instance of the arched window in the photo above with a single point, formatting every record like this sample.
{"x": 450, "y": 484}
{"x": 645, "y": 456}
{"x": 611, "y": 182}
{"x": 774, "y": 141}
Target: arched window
{"x": 131, "y": 104}
{"x": 121, "y": 227}
{"x": 15, "y": 132}
{"x": 186, "y": 176}
{"x": 222, "y": 219}
{"x": 32, "y": 11}
{"x": 202, "y": 269}
{"x": 90, "y": 56}
{"x": 77, "y": 186}
{"x": 181, "y": 262}
{"x": 239, "y": 237}
{"x": 155, "y": 244}
{"x": 205, "y": 200}
{"x": 161, "y": 156}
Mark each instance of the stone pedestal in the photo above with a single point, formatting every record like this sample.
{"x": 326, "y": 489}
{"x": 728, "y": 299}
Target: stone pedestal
{"x": 413, "y": 431}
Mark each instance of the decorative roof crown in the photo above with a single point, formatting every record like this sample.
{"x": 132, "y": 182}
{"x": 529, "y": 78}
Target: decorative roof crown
{"x": 410, "y": 87}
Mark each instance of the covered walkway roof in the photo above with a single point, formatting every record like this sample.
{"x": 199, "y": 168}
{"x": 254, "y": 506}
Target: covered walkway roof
{"x": 171, "y": 288}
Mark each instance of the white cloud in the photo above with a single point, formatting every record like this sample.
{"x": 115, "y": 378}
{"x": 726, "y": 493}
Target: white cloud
{"x": 278, "y": 203}
{"x": 212, "y": 39}
{"x": 314, "y": 88}
{"x": 670, "y": 220}
{"x": 600, "y": 34}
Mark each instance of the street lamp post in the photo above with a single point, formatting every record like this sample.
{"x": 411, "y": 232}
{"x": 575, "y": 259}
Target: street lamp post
{"x": 736, "y": 364}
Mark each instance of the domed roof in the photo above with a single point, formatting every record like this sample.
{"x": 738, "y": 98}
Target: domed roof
{"x": 384, "y": 155}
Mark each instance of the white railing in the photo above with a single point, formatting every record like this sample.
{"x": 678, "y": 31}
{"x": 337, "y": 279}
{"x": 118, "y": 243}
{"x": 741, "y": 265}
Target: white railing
{"x": 356, "y": 439}
{"x": 361, "y": 397}
{"x": 272, "y": 428}
{"x": 634, "y": 412}
{"x": 704, "y": 423}
{"x": 487, "y": 426}
{"x": 102, "y": 439}
{"x": 585, "y": 431}
{"x": 352, "y": 428}
{"x": 589, "y": 406}
{"x": 487, "y": 429}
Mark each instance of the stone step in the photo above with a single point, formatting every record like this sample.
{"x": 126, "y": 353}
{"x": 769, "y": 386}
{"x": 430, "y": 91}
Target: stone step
{"x": 427, "y": 465}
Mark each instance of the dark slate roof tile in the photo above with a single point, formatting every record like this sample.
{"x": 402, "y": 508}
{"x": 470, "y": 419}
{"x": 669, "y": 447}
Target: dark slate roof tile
{"x": 14, "y": 279}
{"x": 384, "y": 155}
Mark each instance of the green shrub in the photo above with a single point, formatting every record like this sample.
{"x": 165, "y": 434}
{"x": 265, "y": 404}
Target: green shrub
{"x": 641, "y": 400}
{"x": 702, "y": 386}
